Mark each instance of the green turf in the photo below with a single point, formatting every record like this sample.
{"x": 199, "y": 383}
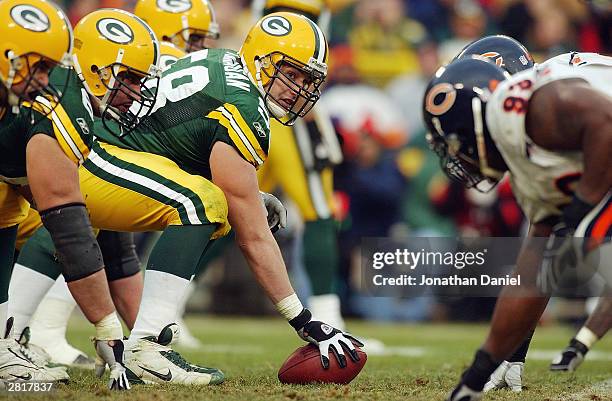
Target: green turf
{"x": 250, "y": 351}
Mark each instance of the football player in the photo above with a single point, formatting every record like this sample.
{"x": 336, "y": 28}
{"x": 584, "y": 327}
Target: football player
{"x": 301, "y": 161}
{"x": 189, "y": 25}
{"x": 57, "y": 129}
{"x": 47, "y": 326}
{"x": 541, "y": 125}
{"x": 514, "y": 57}
{"x": 193, "y": 159}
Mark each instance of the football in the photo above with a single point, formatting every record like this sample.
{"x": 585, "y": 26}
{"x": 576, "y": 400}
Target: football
{"x": 303, "y": 366}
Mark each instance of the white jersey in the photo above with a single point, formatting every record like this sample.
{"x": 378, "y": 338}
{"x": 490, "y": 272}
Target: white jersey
{"x": 542, "y": 180}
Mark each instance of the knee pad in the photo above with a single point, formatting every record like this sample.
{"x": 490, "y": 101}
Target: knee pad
{"x": 119, "y": 252}
{"x": 74, "y": 241}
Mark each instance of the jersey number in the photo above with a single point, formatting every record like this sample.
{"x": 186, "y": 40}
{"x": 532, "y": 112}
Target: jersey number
{"x": 182, "y": 79}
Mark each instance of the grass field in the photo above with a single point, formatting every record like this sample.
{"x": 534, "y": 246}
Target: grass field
{"x": 422, "y": 363}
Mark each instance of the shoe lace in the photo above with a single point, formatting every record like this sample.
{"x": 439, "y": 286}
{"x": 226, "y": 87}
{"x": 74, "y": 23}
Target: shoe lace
{"x": 32, "y": 356}
{"x": 178, "y": 360}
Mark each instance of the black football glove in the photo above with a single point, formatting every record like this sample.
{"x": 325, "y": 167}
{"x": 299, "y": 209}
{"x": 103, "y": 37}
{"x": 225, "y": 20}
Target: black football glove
{"x": 560, "y": 259}
{"x": 326, "y": 338}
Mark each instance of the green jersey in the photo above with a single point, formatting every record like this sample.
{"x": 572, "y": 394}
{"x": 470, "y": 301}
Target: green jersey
{"x": 203, "y": 98}
{"x": 70, "y": 122}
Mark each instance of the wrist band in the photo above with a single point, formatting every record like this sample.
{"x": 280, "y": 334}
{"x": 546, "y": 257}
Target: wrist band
{"x": 290, "y": 307}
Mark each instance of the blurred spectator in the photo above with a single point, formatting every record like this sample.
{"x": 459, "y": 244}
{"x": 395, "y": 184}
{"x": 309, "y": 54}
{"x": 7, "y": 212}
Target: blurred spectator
{"x": 378, "y": 32}
{"x": 407, "y": 90}
{"x": 468, "y": 22}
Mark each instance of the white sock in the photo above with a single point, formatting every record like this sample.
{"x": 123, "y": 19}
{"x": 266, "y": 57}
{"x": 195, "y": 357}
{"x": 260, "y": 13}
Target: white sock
{"x": 183, "y": 304}
{"x": 60, "y": 290}
{"x": 587, "y": 337}
{"x": 48, "y": 324}
{"x": 161, "y": 297}
{"x": 26, "y": 290}
{"x": 3, "y": 317}
{"x": 326, "y": 308}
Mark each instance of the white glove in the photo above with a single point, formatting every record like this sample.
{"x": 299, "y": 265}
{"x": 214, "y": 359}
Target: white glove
{"x": 276, "y": 212}
{"x": 110, "y": 352}
{"x": 508, "y": 374}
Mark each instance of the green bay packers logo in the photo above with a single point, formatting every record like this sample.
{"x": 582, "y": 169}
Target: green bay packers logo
{"x": 276, "y": 26}
{"x": 440, "y": 98}
{"x": 116, "y": 31}
{"x": 174, "y": 6}
{"x": 30, "y": 18}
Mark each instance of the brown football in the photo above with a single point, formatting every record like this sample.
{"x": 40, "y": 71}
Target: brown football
{"x": 304, "y": 366}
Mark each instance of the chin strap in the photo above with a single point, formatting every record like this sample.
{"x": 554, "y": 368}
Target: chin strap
{"x": 276, "y": 110}
{"x": 480, "y": 141}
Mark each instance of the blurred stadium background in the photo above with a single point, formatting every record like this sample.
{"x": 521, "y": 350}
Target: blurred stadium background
{"x": 383, "y": 53}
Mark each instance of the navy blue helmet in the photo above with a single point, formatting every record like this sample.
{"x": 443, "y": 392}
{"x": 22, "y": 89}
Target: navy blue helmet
{"x": 454, "y": 113}
{"x": 505, "y": 51}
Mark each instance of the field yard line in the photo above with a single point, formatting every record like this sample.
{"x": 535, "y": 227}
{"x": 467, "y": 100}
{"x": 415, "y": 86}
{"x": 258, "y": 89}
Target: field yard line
{"x": 588, "y": 393}
{"x": 231, "y": 349}
{"x": 548, "y": 355}
{"x": 397, "y": 351}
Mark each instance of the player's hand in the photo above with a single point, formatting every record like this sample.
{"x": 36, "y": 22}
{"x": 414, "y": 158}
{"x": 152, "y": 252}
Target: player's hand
{"x": 327, "y": 338}
{"x": 559, "y": 263}
{"x": 110, "y": 352}
{"x": 277, "y": 213}
{"x": 508, "y": 374}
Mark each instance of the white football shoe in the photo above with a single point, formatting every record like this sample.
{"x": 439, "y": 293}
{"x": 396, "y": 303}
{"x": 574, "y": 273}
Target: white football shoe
{"x": 39, "y": 357}
{"x": 152, "y": 360}
{"x": 464, "y": 393}
{"x": 16, "y": 363}
{"x": 508, "y": 374}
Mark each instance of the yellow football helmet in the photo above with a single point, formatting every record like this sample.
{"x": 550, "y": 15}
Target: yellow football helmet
{"x": 312, "y": 8}
{"x": 169, "y": 54}
{"x": 287, "y": 39}
{"x": 185, "y": 23}
{"x": 35, "y": 35}
{"x": 115, "y": 51}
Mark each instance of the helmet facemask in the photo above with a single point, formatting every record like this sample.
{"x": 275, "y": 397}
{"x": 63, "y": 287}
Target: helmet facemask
{"x": 463, "y": 161}
{"x": 23, "y": 84}
{"x": 304, "y": 96}
{"x": 134, "y": 104}
{"x": 193, "y": 39}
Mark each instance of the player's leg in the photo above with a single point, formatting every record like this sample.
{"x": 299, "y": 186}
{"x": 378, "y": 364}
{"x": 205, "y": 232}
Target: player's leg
{"x": 48, "y": 328}
{"x": 515, "y": 316}
{"x": 35, "y": 271}
{"x": 596, "y": 326}
{"x": 308, "y": 181}
{"x": 122, "y": 272}
{"x": 15, "y": 363}
{"x": 510, "y": 372}
{"x": 127, "y": 190}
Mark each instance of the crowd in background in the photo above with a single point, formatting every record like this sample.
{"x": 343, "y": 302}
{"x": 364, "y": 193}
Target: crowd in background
{"x": 383, "y": 53}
